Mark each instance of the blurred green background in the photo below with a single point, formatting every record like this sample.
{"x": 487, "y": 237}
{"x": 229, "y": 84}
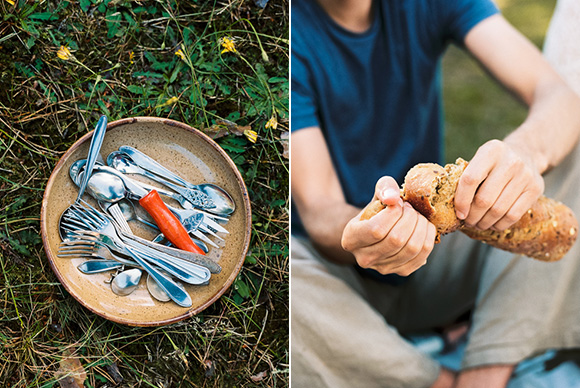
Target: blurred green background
{"x": 477, "y": 109}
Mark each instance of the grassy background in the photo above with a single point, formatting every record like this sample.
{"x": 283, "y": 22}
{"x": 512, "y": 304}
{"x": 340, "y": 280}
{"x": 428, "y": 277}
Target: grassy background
{"x": 477, "y": 109}
{"x": 126, "y": 65}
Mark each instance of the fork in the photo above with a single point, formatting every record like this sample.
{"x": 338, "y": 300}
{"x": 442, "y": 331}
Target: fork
{"x": 174, "y": 290}
{"x": 99, "y": 222}
{"x": 87, "y": 217}
{"x": 184, "y": 270}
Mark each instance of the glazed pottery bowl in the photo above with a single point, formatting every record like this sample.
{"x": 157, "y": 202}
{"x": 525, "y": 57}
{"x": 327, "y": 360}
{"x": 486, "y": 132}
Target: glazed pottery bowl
{"x": 187, "y": 152}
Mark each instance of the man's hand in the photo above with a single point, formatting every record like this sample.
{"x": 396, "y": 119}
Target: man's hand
{"x": 396, "y": 240}
{"x": 498, "y": 186}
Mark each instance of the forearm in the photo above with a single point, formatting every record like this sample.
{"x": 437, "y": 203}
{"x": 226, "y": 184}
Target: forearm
{"x": 552, "y": 127}
{"x": 317, "y": 194}
{"x": 325, "y": 221}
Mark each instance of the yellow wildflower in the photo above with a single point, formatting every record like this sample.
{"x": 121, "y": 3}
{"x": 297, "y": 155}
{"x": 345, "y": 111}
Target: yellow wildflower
{"x": 272, "y": 123}
{"x": 11, "y": 2}
{"x": 180, "y": 53}
{"x": 64, "y": 53}
{"x": 170, "y": 101}
{"x": 228, "y": 45}
{"x": 251, "y": 135}
{"x": 131, "y": 56}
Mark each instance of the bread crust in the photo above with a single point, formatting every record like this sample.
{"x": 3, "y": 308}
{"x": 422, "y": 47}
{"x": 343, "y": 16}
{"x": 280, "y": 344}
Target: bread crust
{"x": 546, "y": 232}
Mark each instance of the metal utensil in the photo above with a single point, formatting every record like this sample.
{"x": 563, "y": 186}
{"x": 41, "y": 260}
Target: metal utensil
{"x": 94, "y": 148}
{"x": 222, "y": 202}
{"x": 156, "y": 291}
{"x": 126, "y": 282}
{"x": 97, "y": 266}
{"x": 169, "y": 225}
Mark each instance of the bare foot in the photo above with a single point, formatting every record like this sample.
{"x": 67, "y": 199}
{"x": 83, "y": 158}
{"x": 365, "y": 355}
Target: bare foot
{"x": 492, "y": 376}
{"x": 446, "y": 379}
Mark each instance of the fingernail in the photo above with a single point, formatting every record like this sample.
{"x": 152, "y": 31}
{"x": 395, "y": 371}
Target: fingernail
{"x": 390, "y": 193}
{"x": 460, "y": 215}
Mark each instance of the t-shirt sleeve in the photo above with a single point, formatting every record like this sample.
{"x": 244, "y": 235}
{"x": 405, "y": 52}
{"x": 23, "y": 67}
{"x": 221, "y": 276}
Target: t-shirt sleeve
{"x": 303, "y": 108}
{"x": 462, "y": 15}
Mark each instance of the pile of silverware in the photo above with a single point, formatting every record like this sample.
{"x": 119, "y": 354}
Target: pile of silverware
{"x": 102, "y": 234}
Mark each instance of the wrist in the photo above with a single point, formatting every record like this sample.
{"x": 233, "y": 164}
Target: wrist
{"x": 529, "y": 147}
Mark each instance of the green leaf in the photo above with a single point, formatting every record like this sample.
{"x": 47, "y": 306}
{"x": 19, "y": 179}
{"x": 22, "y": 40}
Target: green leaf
{"x": 135, "y": 89}
{"x": 103, "y": 107}
{"x": 242, "y": 288}
{"x": 234, "y": 144}
{"x": 175, "y": 72}
{"x": 275, "y": 80}
{"x": 43, "y": 16}
{"x": 129, "y": 19}
{"x": 113, "y": 23}
{"x": 148, "y": 74}
{"x": 188, "y": 33}
{"x": 31, "y": 41}
{"x": 250, "y": 259}
{"x": 85, "y": 4}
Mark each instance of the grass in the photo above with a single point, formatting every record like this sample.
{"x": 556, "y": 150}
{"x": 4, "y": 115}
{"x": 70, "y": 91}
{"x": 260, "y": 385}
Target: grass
{"x": 165, "y": 59}
{"x": 477, "y": 109}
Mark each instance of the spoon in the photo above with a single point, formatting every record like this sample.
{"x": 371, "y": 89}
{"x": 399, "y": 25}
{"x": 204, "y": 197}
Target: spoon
{"x": 133, "y": 161}
{"x": 75, "y": 170}
{"x": 156, "y": 291}
{"x": 126, "y": 282}
{"x": 94, "y": 148}
{"x": 98, "y": 266}
{"x": 115, "y": 184}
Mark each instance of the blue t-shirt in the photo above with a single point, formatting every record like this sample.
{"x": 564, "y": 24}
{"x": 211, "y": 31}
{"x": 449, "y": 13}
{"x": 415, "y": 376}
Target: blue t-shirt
{"x": 376, "y": 95}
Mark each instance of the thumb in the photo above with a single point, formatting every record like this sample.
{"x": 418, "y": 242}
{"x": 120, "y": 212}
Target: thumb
{"x": 387, "y": 191}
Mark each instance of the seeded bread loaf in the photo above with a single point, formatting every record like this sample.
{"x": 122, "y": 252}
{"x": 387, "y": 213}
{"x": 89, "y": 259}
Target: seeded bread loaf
{"x": 546, "y": 232}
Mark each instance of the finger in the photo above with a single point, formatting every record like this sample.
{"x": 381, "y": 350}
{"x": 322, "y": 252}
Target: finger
{"x": 506, "y": 200}
{"x": 517, "y": 210}
{"x": 374, "y": 255}
{"x": 363, "y": 233}
{"x": 469, "y": 182}
{"x": 488, "y": 195}
{"x": 387, "y": 191}
{"x": 420, "y": 252}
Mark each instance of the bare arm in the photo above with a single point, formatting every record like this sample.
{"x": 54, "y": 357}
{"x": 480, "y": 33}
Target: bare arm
{"x": 317, "y": 193}
{"x": 504, "y": 177}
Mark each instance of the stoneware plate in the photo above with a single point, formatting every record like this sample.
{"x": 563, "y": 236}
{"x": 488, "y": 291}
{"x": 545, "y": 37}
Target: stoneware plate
{"x": 192, "y": 155}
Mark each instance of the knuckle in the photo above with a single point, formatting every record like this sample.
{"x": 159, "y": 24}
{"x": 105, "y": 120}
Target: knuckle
{"x": 469, "y": 179}
{"x": 405, "y": 271}
{"x": 397, "y": 240}
{"x": 511, "y": 217}
{"x": 497, "y": 212}
{"x": 377, "y": 231}
{"x": 414, "y": 248}
{"x": 481, "y": 202}
{"x": 384, "y": 269}
{"x": 366, "y": 261}
{"x": 428, "y": 246}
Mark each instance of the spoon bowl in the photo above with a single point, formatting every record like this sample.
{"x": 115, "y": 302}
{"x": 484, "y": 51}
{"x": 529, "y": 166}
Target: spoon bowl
{"x": 156, "y": 291}
{"x": 126, "y": 282}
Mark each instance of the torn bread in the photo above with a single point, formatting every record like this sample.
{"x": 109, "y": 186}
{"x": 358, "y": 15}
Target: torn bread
{"x": 546, "y": 232}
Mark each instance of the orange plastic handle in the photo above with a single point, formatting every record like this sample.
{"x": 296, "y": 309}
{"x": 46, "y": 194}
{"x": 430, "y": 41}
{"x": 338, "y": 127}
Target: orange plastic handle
{"x": 168, "y": 223}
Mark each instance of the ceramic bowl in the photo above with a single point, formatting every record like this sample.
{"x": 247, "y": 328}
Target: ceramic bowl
{"x": 192, "y": 155}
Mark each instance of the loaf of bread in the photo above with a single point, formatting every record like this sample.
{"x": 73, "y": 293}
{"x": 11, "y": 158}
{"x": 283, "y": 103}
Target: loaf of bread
{"x": 546, "y": 232}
